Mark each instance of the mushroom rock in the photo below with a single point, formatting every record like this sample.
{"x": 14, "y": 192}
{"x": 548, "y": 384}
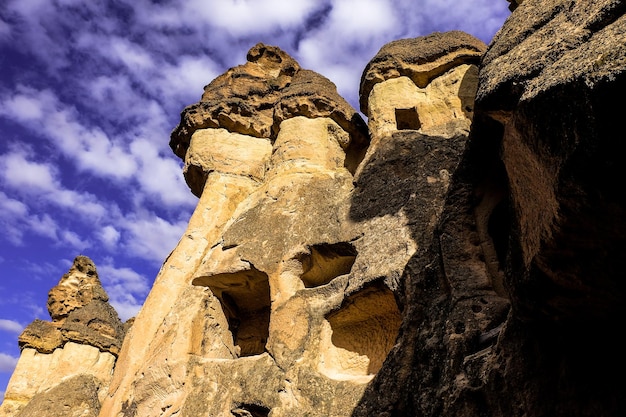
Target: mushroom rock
{"x": 81, "y": 342}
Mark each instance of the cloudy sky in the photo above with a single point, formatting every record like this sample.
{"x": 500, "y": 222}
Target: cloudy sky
{"x": 89, "y": 93}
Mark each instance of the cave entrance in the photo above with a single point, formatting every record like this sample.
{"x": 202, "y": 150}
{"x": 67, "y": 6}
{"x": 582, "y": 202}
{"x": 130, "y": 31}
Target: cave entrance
{"x": 408, "y": 119}
{"x": 360, "y": 333}
{"x": 325, "y": 262}
{"x": 245, "y": 300}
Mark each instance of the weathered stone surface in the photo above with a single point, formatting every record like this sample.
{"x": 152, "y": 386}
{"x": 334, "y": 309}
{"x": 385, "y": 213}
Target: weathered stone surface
{"x": 295, "y": 283}
{"x": 75, "y": 289}
{"x": 42, "y": 336}
{"x": 76, "y": 397}
{"x": 178, "y": 321}
{"x": 559, "y": 150}
{"x": 96, "y": 324}
{"x": 525, "y": 224}
{"x": 253, "y": 99}
{"x": 466, "y": 264}
{"x": 82, "y": 341}
{"x": 241, "y": 100}
{"x": 37, "y": 373}
{"x": 420, "y": 59}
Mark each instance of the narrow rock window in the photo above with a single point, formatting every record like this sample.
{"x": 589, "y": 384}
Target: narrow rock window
{"x": 407, "y": 119}
{"x": 325, "y": 262}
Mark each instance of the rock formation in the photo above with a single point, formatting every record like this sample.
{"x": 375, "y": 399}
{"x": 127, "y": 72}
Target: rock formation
{"x": 459, "y": 255}
{"x": 70, "y": 359}
{"x": 529, "y": 221}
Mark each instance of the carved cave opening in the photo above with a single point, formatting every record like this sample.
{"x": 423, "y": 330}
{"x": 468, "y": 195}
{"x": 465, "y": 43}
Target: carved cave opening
{"x": 363, "y": 331}
{"x": 250, "y": 410}
{"x": 408, "y": 119}
{"x": 245, "y": 300}
{"x": 325, "y": 262}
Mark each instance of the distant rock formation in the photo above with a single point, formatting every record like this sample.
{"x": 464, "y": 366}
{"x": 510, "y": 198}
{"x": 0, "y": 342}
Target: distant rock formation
{"x": 458, "y": 255}
{"x": 67, "y": 362}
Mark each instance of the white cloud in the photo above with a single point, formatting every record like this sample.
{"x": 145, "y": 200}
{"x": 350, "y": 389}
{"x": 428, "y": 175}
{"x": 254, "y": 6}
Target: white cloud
{"x": 186, "y": 78}
{"x": 13, "y": 218}
{"x": 161, "y": 176}
{"x": 31, "y": 176}
{"x": 362, "y": 19}
{"x": 133, "y": 56}
{"x": 241, "y": 18}
{"x": 152, "y": 237}
{"x": 43, "y": 226}
{"x": 73, "y": 240}
{"x": 11, "y": 208}
{"x": 40, "y": 180}
{"x": 5, "y": 30}
{"x": 23, "y": 108}
{"x": 109, "y": 236}
{"x": 11, "y": 326}
{"x": 7, "y": 363}
{"x": 91, "y": 148}
{"x": 126, "y": 288}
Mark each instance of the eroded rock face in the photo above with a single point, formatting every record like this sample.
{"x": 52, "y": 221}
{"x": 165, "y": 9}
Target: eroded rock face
{"x": 526, "y": 225}
{"x": 254, "y": 98}
{"x": 461, "y": 260}
{"x": 284, "y": 296}
{"x": 81, "y": 343}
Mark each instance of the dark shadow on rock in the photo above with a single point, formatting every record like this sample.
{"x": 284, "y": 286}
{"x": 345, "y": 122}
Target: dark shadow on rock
{"x": 452, "y": 315}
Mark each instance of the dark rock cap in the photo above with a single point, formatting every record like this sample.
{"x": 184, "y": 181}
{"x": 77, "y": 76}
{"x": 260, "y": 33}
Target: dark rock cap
{"x": 253, "y": 99}
{"x": 421, "y": 59}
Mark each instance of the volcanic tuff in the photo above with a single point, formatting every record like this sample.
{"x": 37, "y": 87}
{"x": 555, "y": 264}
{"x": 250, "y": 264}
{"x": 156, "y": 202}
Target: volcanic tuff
{"x": 458, "y": 255}
{"x": 70, "y": 359}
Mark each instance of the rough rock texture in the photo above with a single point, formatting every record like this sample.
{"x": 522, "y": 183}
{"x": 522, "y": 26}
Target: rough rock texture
{"x": 419, "y": 59}
{"x": 530, "y": 220}
{"x": 80, "y": 344}
{"x": 460, "y": 257}
{"x": 284, "y": 296}
{"x": 254, "y": 98}
{"x": 76, "y": 397}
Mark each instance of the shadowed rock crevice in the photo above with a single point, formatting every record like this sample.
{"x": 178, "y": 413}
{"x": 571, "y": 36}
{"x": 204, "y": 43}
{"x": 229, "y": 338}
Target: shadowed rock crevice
{"x": 245, "y": 300}
{"x": 364, "y": 329}
{"x": 325, "y": 262}
{"x": 250, "y": 410}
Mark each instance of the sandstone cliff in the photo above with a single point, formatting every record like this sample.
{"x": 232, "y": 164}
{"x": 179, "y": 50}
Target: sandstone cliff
{"x": 458, "y": 255}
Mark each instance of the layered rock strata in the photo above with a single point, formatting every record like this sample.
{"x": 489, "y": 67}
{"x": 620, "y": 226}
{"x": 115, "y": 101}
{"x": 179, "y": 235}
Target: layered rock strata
{"x": 70, "y": 359}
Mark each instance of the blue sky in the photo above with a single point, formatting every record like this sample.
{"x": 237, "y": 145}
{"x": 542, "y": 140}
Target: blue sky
{"x": 89, "y": 93}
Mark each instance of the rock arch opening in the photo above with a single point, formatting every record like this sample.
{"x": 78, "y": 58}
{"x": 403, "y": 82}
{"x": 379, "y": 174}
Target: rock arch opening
{"x": 325, "y": 262}
{"x": 360, "y": 334}
{"x": 245, "y": 300}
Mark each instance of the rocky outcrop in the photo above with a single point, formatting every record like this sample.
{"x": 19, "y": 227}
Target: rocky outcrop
{"x": 525, "y": 224}
{"x": 292, "y": 283}
{"x": 458, "y": 256}
{"x": 67, "y": 363}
